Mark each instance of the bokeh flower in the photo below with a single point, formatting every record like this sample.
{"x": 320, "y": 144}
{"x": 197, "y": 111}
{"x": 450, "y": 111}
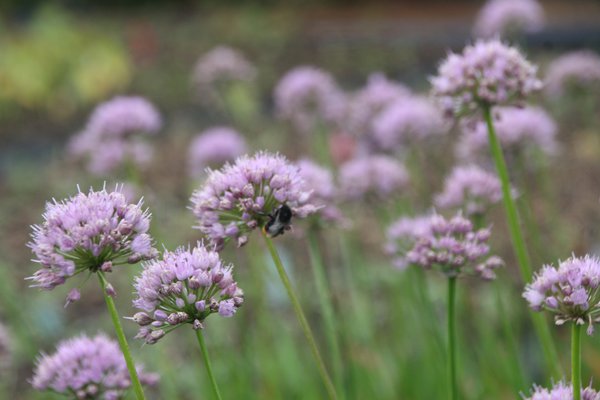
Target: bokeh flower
{"x": 509, "y": 17}
{"x": 487, "y": 73}
{"x": 214, "y": 147}
{"x": 402, "y": 235}
{"x": 456, "y": 248}
{"x": 406, "y": 121}
{"x": 517, "y": 129}
{"x": 221, "y": 65}
{"x": 561, "y": 391}
{"x": 320, "y": 183}
{"x": 308, "y": 97}
{"x": 89, "y": 232}
{"x": 113, "y": 136}
{"x": 574, "y": 70}
{"x": 243, "y": 196}
{"x": 569, "y": 291}
{"x": 87, "y": 368}
{"x": 471, "y": 189}
{"x": 376, "y": 176}
{"x": 184, "y": 287}
{"x": 366, "y": 104}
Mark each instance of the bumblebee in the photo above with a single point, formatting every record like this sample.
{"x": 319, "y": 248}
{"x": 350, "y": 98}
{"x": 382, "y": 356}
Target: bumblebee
{"x": 279, "y": 221}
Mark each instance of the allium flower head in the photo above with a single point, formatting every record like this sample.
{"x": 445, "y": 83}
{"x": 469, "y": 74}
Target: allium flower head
{"x": 366, "y": 104}
{"x": 221, "y": 64}
{"x": 405, "y": 121}
{"x": 113, "y": 134}
{"x": 214, "y": 147}
{"x": 487, "y": 73}
{"x": 499, "y": 17}
{"x": 578, "y": 69}
{"x": 402, "y": 235}
{"x": 319, "y": 182}
{"x": 569, "y": 291}
{"x": 561, "y": 391}
{"x": 375, "y": 176}
{"x": 89, "y": 232}
{"x": 185, "y": 287}
{"x": 242, "y": 196}
{"x": 307, "y": 96}
{"x": 456, "y": 248}
{"x": 516, "y": 128}
{"x": 471, "y": 189}
{"x": 87, "y": 368}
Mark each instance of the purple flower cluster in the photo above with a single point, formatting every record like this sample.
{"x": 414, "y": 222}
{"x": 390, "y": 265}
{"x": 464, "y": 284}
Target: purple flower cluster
{"x": 570, "y": 291}
{"x": 221, "y": 64}
{"x": 508, "y": 17}
{"x": 456, "y": 248}
{"x": 214, "y": 147}
{"x": 375, "y": 176}
{"x": 307, "y": 97}
{"x": 402, "y": 235}
{"x": 240, "y": 197}
{"x": 471, "y": 189}
{"x": 561, "y": 391}
{"x": 185, "y": 287}
{"x": 89, "y": 232}
{"x": 487, "y": 73}
{"x": 515, "y": 128}
{"x": 87, "y": 368}
{"x": 578, "y": 69}
{"x": 406, "y": 121}
{"x": 112, "y": 136}
{"x": 365, "y": 105}
{"x": 319, "y": 182}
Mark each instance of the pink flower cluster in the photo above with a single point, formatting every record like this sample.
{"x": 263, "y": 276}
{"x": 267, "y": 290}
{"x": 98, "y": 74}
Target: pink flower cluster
{"x": 214, "y": 147}
{"x": 561, "y": 391}
{"x": 578, "y": 69}
{"x": 508, "y": 17}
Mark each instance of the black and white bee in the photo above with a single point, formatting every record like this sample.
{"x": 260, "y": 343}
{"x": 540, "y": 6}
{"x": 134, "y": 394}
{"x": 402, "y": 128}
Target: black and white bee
{"x": 279, "y": 221}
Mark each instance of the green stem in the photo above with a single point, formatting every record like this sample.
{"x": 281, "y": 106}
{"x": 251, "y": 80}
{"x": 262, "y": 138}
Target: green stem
{"x": 453, "y": 389}
{"x": 576, "y": 360}
{"x": 114, "y": 315}
{"x": 518, "y": 242}
{"x": 207, "y": 363}
{"x": 325, "y": 299}
{"x": 301, "y": 318}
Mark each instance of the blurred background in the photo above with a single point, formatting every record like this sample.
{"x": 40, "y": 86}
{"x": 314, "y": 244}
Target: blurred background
{"x": 60, "y": 59}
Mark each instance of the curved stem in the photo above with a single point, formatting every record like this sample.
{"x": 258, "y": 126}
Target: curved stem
{"x": 576, "y": 360}
{"x": 301, "y": 318}
{"x": 324, "y": 296}
{"x": 207, "y": 363}
{"x": 452, "y": 387}
{"x": 114, "y": 315}
{"x": 516, "y": 234}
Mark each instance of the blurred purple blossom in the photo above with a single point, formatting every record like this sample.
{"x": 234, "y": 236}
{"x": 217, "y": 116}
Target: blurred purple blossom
{"x": 561, "y": 391}
{"x": 508, "y": 17}
{"x": 214, "y": 147}
{"x": 456, "y": 248}
{"x": 86, "y": 233}
{"x": 487, "y": 73}
{"x": 239, "y": 197}
{"x": 184, "y": 287}
{"x": 515, "y": 127}
{"x": 309, "y": 97}
{"x": 375, "y": 176}
{"x": 88, "y": 368}
{"x": 571, "y": 291}
{"x": 579, "y": 69}
{"x": 221, "y": 65}
{"x": 402, "y": 235}
{"x": 320, "y": 183}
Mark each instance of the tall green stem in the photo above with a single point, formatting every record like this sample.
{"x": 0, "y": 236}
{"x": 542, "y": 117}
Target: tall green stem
{"x": 114, "y": 315}
{"x": 324, "y": 296}
{"x": 452, "y": 387}
{"x": 512, "y": 218}
{"x": 576, "y": 360}
{"x": 301, "y": 318}
{"x": 204, "y": 351}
